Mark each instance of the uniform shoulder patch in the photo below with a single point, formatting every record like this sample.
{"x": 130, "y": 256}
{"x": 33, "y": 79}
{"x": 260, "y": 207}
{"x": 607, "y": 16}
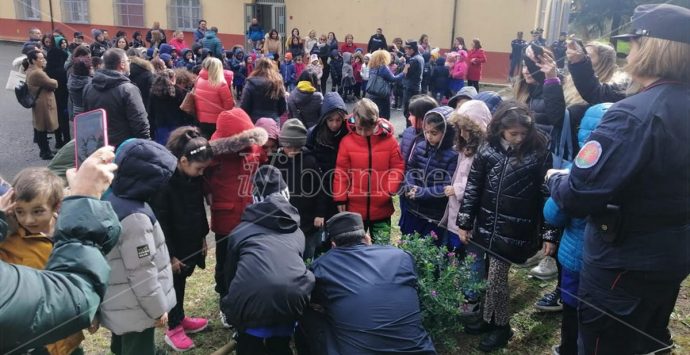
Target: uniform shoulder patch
{"x": 143, "y": 251}
{"x": 589, "y": 155}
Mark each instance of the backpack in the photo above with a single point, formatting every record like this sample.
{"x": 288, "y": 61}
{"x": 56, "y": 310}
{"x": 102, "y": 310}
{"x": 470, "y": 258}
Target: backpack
{"x": 24, "y": 96}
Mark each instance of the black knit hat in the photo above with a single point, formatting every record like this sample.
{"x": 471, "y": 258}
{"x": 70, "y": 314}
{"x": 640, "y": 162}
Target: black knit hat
{"x": 344, "y": 222}
{"x": 268, "y": 181}
{"x": 410, "y": 43}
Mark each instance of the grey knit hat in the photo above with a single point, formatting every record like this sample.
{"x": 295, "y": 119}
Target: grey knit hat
{"x": 293, "y": 134}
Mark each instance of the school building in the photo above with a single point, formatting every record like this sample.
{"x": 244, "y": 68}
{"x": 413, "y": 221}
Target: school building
{"x": 494, "y": 22}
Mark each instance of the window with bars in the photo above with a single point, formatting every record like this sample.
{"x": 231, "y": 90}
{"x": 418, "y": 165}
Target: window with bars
{"x": 129, "y": 13}
{"x": 184, "y": 14}
{"x": 75, "y": 11}
{"x": 28, "y": 9}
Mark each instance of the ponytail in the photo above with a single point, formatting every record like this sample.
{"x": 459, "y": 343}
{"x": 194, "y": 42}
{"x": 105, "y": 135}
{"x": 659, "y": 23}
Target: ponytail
{"x": 188, "y": 142}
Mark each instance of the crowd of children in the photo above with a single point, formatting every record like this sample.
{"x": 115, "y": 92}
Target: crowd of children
{"x": 469, "y": 171}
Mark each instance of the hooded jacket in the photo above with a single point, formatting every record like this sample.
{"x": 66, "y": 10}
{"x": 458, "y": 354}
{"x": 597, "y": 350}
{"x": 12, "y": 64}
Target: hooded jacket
{"x": 304, "y": 103}
{"x": 256, "y": 102}
{"x": 38, "y": 307}
{"x": 122, "y": 101}
{"x": 141, "y": 287}
{"x": 212, "y": 43}
{"x": 324, "y": 143}
{"x": 430, "y": 169}
{"x": 237, "y": 149}
{"x": 474, "y": 70}
{"x": 503, "y": 201}
{"x": 336, "y": 64}
{"x": 479, "y": 116}
{"x": 440, "y": 77}
{"x": 348, "y": 71}
{"x": 269, "y": 283}
{"x": 141, "y": 75}
{"x": 369, "y": 171}
{"x": 288, "y": 72}
{"x": 210, "y": 100}
{"x": 75, "y": 87}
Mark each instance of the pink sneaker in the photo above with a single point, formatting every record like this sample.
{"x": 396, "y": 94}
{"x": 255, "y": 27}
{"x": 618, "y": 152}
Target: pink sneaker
{"x": 194, "y": 325}
{"x": 178, "y": 339}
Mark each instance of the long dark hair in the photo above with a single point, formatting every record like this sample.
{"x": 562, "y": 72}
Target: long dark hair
{"x": 511, "y": 114}
{"x": 310, "y": 76}
{"x": 188, "y": 142}
{"x": 268, "y": 69}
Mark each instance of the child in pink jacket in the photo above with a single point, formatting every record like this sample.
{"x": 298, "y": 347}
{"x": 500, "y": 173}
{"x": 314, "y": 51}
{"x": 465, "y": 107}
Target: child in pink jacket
{"x": 471, "y": 119}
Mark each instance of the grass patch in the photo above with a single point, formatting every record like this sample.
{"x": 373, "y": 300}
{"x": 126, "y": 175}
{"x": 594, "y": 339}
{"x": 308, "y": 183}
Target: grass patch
{"x": 535, "y": 331}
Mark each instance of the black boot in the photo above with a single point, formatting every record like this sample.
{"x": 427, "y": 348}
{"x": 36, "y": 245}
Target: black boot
{"x": 496, "y": 339}
{"x": 479, "y": 326}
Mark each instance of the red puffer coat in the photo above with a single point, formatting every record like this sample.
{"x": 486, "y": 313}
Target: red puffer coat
{"x": 475, "y": 60}
{"x": 237, "y": 149}
{"x": 368, "y": 172}
{"x": 210, "y": 101}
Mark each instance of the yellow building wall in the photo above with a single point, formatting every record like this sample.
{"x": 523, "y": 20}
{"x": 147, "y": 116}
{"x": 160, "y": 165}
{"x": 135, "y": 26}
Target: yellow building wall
{"x": 406, "y": 19}
{"x": 227, "y": 15}
{"x": 495, "y": 22}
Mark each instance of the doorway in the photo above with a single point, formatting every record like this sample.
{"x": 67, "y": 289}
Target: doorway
{"x": 269, "y": 13}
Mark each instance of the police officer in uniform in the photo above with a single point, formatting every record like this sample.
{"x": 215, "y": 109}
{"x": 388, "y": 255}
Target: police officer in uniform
{"x": 558, "y": 48}
{"x": 517, "y": 46}
{"x": 632, "y": 178}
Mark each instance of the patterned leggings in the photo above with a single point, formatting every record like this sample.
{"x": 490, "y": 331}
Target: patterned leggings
{"x": 497, "y": 293}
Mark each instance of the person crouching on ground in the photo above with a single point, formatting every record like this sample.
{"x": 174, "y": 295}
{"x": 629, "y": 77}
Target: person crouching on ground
{"x": 269, "y": 284}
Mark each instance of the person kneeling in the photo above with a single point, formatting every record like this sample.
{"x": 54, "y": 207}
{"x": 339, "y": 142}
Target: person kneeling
{"x": 269, "y": 283}
{"x": 365, "y": 300}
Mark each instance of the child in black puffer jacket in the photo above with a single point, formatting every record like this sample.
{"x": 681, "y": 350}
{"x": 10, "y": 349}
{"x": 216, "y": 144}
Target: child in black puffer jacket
{"x": 336, "y": 67}
{"x": 502, "y": 210}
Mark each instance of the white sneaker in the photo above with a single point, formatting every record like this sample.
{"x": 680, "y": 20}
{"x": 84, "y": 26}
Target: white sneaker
{"x": 534, "y": 260}
{"x": 224, "y": 321}
{"x": 546, "y": 270}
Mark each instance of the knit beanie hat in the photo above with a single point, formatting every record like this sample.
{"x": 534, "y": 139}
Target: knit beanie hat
{"x": 288, "y": 56}
{"x": 270, "y": 126}
{"x": 165, "y": 48}
{"x": 313, "y": 58}
{"x": 165, "y": 57}
{"x": 269, "y": 181}
{"x": 293, "y": 134}
{"x": 95, "y": 33}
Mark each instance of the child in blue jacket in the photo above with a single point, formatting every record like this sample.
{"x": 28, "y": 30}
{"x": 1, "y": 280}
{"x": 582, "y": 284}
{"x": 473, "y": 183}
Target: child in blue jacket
{"x": 429, "y": 170}
{"x": 287, "y": 70}
{"x": 571, "y": 244}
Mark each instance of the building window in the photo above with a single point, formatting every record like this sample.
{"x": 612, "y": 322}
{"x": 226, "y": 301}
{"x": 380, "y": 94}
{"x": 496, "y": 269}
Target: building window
{"x": 129, "y": 13}
{"x": 28, "y": 9}
{"x": 75, "y": 11}
{"x": 184, "y": 14}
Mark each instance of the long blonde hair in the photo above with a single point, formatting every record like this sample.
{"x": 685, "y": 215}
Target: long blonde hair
{"x": 379, "y": 58}
{"x": 214, "y": 67}
{"x": 661, "y": 58}
{"x": 267, "y": 68}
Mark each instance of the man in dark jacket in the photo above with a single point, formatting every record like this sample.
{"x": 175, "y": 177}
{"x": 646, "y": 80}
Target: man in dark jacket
{"x": 412, "y": 83}
{"x": 112, "y": 91}
{"x": 212, "y": 43}
{"x": 365, "y": 300}
{"x": 558, "y": 48}
{"x": 516, "y": 47}
{"x": 63, "y": 298}
{"x": 200, "y": 31}
{"x": 269, "y": 283}
{"x": 33, "y": 42}
{"x": 377, "y": 41}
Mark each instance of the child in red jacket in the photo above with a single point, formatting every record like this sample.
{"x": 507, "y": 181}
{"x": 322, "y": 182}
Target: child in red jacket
{"x": 369, "y": 170}
{"x": 237, "y": 154}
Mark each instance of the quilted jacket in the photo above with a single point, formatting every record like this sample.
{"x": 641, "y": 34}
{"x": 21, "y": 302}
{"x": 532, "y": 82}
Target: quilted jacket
{"x": 430, "y": 169}
{"x": 503, "y": 201}
{"x": 368, "y": 172}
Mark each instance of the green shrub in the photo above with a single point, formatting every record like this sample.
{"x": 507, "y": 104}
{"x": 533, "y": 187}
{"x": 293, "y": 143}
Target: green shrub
{"x": 442, "y": 278}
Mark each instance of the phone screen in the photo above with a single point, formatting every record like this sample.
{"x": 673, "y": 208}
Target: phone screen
{"x": 90, "y": 132}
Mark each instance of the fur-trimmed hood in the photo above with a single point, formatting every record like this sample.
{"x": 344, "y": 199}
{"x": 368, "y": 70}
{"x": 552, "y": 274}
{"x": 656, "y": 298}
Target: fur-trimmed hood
{"x": 236, "y": 132}
{"x": 239, "y": 142}
{"x": 143, "y": 64}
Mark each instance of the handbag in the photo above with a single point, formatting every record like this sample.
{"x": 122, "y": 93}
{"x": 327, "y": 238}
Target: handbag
{"x": 565, "y": 151}
{"x": 378, "y": 86}
{"x": 188, "y": 104}
{"x": 15, "y": 78}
